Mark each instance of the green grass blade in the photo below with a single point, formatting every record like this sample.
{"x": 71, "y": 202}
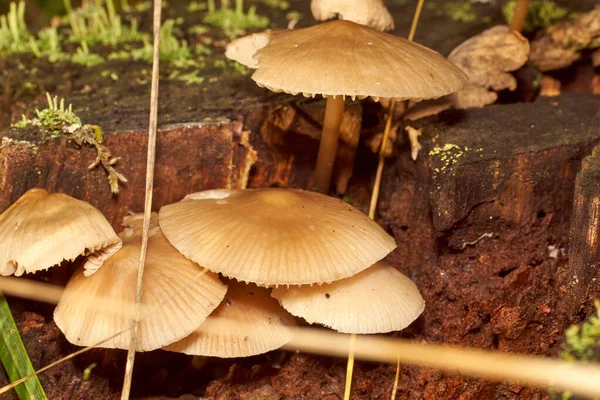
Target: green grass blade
{"x": 14, "y": 356}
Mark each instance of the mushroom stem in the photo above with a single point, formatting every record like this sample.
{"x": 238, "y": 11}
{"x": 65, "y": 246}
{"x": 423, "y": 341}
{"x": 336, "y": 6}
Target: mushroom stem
{"x": 378, "y": 175}
{"x": 519, "y": 15}
{"x": 329, "y": 142}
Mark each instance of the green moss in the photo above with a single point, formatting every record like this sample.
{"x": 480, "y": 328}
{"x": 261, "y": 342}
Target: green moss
{"x": 95, "y": 24}
{"x": 278, "y": 4}
{"x": 58, "y": 120}
{"x": 582, "y": 342}
{"x": 235, "y": 22}
{"x": 460, "y": 11}
{"x": 196, "y": 6}
{"x": 88, "y": 371}
{"x": 52, "y": 120}
{"x": 190, "y": 78}
{"x": 84, "y": 57}
{"x": 541, "y": 13}
{"x": 14, "y": 35}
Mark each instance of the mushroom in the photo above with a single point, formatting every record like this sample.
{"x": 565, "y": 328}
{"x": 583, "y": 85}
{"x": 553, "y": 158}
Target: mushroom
{"x": 178, "y": 295}
{"x": 248, "y": 322}
{"x": 243, "y": 49}
{"x": 372, "y": 13}
{"x": 40, "y": 230}
{"x": 274, "y": 236}
{"x": 378, "y": 300}
{"x": 341, "y": 58}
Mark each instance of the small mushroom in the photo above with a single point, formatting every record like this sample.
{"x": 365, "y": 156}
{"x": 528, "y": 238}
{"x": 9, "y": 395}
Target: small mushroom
{"x": 341, "y": 58}
{"x": 248, "y": 322}
{"x": 378, "y": 300}
{"x": 177, "y": 297}
{"x": 40, "y": 230}
{"x": 372, "y": 13}
{"x": 274, "y": 236}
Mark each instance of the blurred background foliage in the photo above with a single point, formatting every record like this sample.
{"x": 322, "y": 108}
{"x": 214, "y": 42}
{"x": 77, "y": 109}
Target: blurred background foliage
{"x": 40, "y": 12}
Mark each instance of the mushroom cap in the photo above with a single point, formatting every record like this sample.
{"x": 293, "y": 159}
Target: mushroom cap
{"x": 243, "y": 49}
{"x": 372, "y": 13}
{"x": 177, "y": 297}
{"x": 378, "y": 300}
{"x": 248, "y": 322}
{"x": 40, "y": 230}
{"x": 275, "y": 236}
{"x": 341, "y": 58}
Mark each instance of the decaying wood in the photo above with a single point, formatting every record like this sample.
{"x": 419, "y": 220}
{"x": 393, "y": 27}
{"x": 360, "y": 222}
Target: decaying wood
{"x": 487, "y": 59}
{"x": 190, "y": 157}
{"x": 560, "y": 45}
{"x": 306, "y": 119}
{"x": 582, "y": 278}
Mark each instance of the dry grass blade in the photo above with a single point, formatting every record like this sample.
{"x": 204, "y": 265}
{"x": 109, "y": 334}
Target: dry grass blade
{"x": 153, "y": 122}
{"x": 578, "y": 377}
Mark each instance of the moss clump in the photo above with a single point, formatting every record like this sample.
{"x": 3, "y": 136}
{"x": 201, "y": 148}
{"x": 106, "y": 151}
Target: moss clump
{"x": 14, "y": 36}
{"x": 235, "y": 22}
{"x": 282, "y": 5}
{"x": 57, "y": 120}
{"x": 461, "y": 11}
{"x": 95, "y": 24}
{"x": 540, "y": 14}
{"x": 582, "y": 342}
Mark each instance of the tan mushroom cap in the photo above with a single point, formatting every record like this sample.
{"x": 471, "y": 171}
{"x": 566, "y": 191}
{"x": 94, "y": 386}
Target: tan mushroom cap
{"x": 371, "y": 13}
{"x": 40, "y": 230}
{"x": 248, "y": 322}
{"x": 378, "y": 300}
{"x": 243, "y": 49}
{"x": 275, "y": 236}
{"x": 177, "y": 297}
{"x": 341, "y": 58}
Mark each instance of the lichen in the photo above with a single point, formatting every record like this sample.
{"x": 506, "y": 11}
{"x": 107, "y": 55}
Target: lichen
{"x": 58, "y": 120}
{"x": 540, "y": 14}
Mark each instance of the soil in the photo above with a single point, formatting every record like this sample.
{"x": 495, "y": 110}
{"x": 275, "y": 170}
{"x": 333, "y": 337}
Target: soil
{"x": 484, "y": 228}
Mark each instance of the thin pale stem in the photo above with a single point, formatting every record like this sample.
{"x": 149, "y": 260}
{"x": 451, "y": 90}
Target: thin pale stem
{"x": 151, "y": 157}
{"x": 211, "y": 7}
{"x": 396, "y": 379}
{"x": 520, "y": 15}
{"x": 334, "y": 110}
{"x": 380, "y": 164}
{"x": 239, "y": 7}
{"x": 579, "y": 377}
{"x": 350, "y": 367}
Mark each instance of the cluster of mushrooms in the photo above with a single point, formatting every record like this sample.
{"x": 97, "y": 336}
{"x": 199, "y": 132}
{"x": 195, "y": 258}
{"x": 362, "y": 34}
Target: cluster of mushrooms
{"x": 228, "y": 270}
{"x": 320, "y": 256}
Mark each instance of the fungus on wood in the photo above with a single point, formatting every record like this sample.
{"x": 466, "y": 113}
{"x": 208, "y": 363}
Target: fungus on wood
{"x": 248, "y": 322}
{"x": 165, "y": 319}
{"x": 340, "y": 58}
{"x": 274, "y": 236}
{"x": 379, "y": 299}
{"x": 40, "y": 230}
